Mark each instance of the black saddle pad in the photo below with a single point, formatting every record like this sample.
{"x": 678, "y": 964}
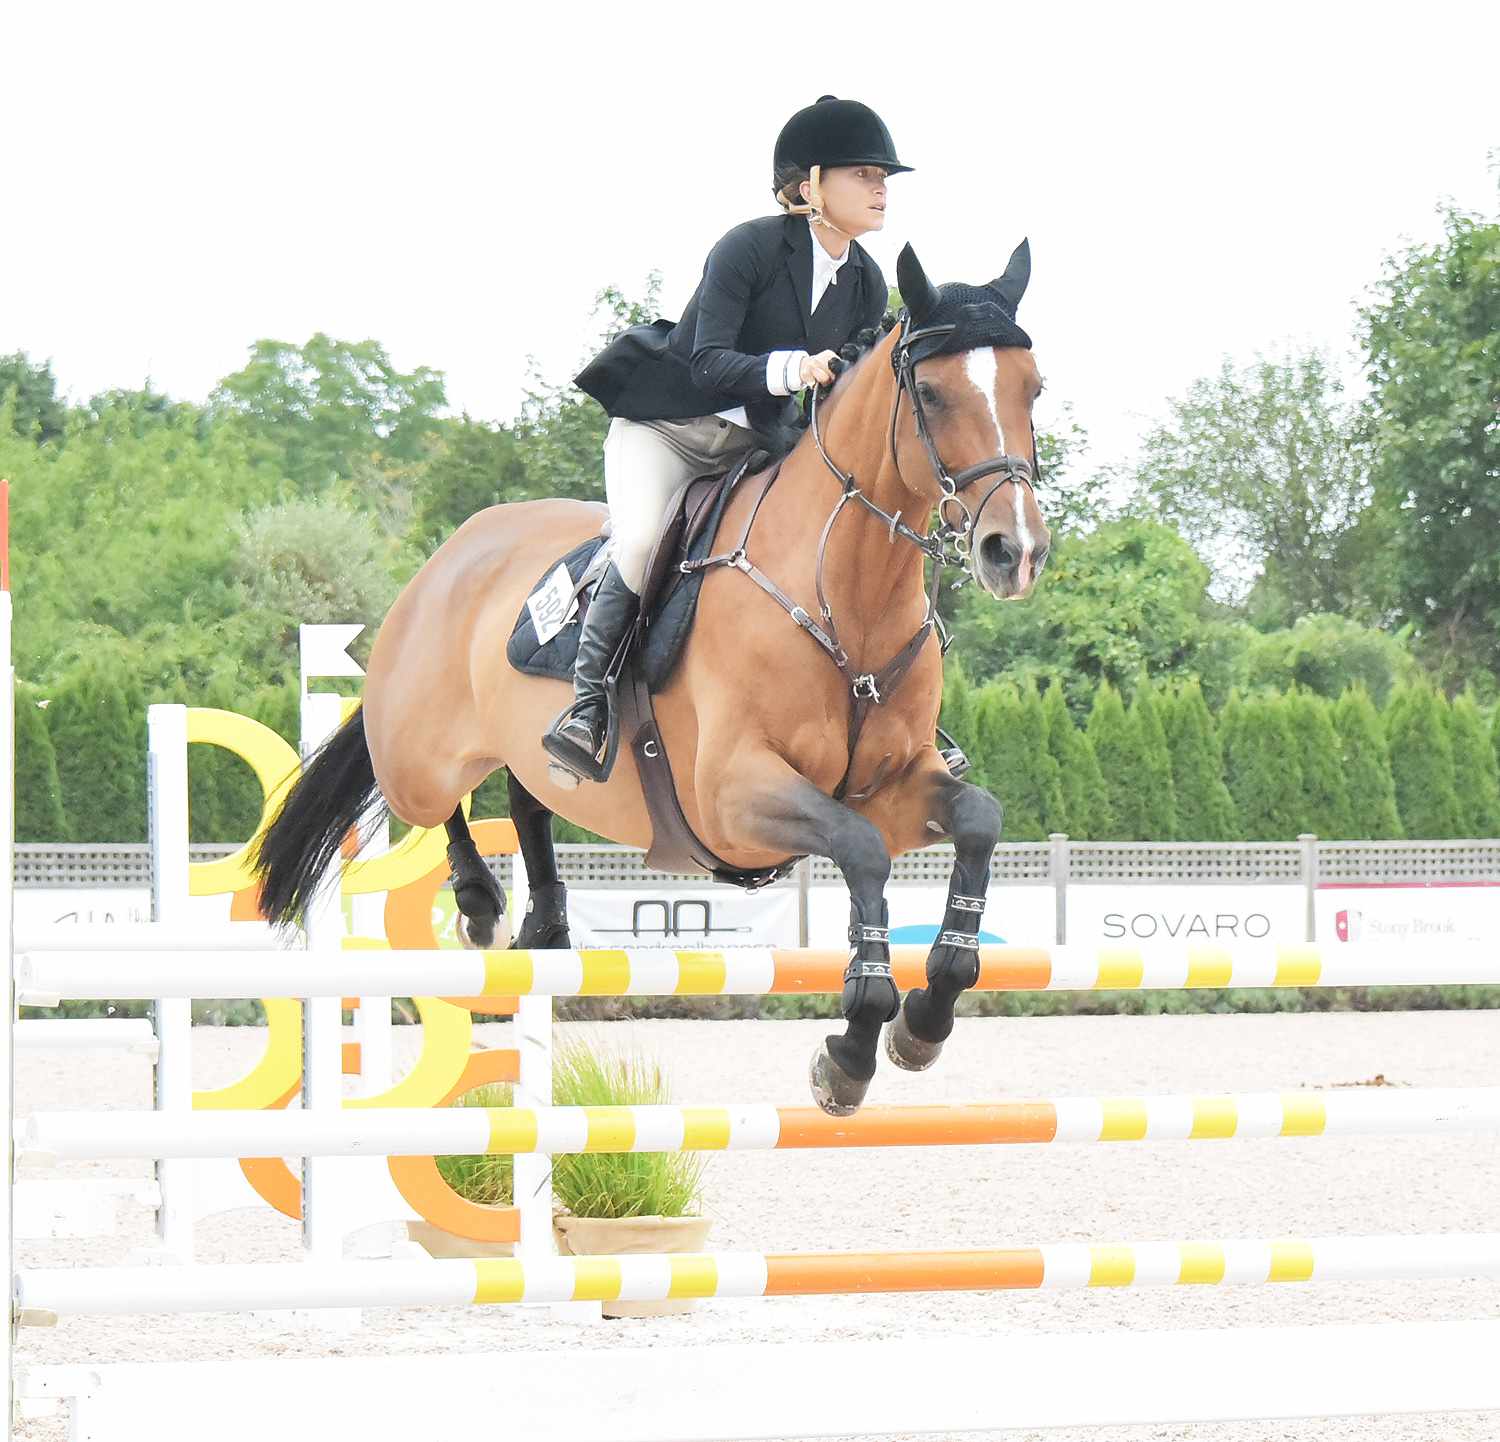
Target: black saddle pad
{"x": 666, "y": 628}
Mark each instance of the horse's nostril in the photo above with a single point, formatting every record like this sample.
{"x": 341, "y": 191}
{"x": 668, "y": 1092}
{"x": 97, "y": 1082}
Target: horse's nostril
{"x": 1000, "y": 552}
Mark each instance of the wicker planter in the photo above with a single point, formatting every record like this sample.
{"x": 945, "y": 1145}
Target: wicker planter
{"x": 444, "y": 1245}
{"x": 614, "y": 1236}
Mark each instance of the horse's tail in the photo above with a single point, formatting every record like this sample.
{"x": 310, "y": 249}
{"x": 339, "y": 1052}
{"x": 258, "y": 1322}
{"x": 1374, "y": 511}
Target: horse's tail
{"x": 335, "y": 792}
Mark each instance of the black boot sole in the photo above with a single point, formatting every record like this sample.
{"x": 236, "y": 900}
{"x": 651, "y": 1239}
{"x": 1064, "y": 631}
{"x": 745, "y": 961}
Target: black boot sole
{"x": 574, "y": 759}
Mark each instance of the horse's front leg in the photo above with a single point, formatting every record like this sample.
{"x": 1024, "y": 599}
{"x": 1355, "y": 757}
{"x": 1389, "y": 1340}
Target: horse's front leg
{"x": 924, "y": 805}
{"x": 761, "y": 802}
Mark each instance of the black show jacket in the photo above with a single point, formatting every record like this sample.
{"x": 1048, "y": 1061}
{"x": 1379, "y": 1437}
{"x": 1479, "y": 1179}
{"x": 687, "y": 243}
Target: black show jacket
{"x": 753, "y": 299}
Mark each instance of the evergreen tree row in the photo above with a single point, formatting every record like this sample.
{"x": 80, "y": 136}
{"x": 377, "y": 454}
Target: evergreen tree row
{"x": 1161, "y": 768}
{"x": 1268, "y": 767}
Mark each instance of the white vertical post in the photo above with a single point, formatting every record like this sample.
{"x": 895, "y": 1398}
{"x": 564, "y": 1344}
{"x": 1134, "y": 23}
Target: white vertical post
{"x": 323, "y": 650}
{"x": 7, "y": 925}
{"x": 533, "y": 1032}
{"x": 322, "y": 1026}
{"x": 167, "y": 831}
{"x": 372, "y": 1022}
{"x": 1061, "y": 863}
{"x": 1309, "y": 844}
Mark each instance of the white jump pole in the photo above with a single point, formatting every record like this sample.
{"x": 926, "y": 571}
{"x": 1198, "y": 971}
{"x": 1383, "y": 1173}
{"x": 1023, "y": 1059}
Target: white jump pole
{"x": 656, "y": 971}
{"x": 461, "y": 1131}
{"x": 48, "y": 1293}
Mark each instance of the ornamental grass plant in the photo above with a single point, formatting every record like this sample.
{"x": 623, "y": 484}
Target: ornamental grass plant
{"x": 619, "y": 1184}
{"x": 604, "y": 1184}
{"x": 485, "y": 1180}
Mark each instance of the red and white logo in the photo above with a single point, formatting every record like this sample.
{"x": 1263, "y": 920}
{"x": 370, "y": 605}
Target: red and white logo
{"x": 1349, "y": 925}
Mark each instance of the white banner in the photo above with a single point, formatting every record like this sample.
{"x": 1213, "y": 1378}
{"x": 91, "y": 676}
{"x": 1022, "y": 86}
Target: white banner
{"x": 1024, "y": 915}
{"x": 82, "y": 905}
{"x": 1401, "y": 913}
{"x": 682, "y": 916}
{"x": 1167, "y": 913}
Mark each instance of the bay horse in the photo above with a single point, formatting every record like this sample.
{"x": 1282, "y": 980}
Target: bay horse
{"x": 934, "y": 419}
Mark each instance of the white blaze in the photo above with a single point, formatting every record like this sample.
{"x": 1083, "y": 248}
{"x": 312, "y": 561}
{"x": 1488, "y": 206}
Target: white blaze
{"x": 983, "y": 373}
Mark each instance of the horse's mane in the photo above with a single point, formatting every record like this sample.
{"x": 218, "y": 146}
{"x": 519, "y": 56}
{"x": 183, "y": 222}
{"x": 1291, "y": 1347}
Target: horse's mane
{"x": 852, "y": 352}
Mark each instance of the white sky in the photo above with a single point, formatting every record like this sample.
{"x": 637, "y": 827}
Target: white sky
{"x": 457, "y": 181}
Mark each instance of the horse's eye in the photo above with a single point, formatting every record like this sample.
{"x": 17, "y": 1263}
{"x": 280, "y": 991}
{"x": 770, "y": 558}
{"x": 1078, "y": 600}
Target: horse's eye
{"x": 930, "y": 397}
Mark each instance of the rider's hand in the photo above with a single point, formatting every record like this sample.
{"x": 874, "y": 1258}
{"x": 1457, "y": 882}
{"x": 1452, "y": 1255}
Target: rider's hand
{"x": 818, "y": 369}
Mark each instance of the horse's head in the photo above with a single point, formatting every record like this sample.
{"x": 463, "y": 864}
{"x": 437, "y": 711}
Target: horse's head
{"x": 965, "y": 442}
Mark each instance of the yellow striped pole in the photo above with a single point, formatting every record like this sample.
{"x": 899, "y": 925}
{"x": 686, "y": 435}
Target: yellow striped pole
{"x": 45, "y": 1294}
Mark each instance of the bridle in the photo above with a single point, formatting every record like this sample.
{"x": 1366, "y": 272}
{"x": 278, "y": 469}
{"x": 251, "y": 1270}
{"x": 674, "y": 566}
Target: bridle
{"x": 950, "y": 545}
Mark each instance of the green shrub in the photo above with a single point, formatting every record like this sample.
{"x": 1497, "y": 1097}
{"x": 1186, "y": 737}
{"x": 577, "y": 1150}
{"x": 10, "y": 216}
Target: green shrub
{"x": 1116, "y": 740}
{"x": 1159, "y": 797}
{"x": 619, "y": 1184}
{"x": 39, "y": 809}
{"x": 1085, "y": 813}
{"x": 1416, "y": 730}
{"x": 486, "y": 1180}
{"x": 1474, "y": 767}
{"x": 1205, "y": 809}
{"x": 1366, "y": 764}
{"x": 1261, "y": 768}
{"x": 1325, "y": 792}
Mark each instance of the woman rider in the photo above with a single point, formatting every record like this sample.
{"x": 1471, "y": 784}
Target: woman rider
{"x": 779, "y": 296}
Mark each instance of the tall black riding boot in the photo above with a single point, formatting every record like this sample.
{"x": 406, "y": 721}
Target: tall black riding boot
{"x": 576, "y": 738}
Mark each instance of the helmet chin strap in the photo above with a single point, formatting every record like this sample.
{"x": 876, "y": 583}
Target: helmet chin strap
{"x": 815, "y": 210}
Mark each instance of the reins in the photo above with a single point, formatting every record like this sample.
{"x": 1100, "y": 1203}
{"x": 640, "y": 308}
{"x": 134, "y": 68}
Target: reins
{"x": 951, "y": 545}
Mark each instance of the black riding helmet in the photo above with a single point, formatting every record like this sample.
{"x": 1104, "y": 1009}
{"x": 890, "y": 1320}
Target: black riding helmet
{"x": 835, "y": 132}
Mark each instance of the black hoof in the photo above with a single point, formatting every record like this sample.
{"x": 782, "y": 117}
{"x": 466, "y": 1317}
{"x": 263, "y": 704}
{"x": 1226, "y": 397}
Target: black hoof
{"x": 838, "y": 1093}
{"x": 909, "y": 1052}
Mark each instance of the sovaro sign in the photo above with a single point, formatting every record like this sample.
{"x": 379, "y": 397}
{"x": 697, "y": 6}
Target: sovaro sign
{"x": 1166, "y": 913}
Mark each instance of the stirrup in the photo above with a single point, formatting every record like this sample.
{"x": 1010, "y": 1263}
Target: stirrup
{"x": 571, "y": 758}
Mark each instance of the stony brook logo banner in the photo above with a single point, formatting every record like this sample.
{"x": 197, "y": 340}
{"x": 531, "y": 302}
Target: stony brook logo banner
{"x": 1398, "y": 913}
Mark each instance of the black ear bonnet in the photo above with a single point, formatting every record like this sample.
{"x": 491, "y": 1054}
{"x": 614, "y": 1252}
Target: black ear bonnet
{"x": 981, "y": 315}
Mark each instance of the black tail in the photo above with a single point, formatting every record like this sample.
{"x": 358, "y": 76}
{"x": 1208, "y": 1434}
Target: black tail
{"x": 335, "y": 792}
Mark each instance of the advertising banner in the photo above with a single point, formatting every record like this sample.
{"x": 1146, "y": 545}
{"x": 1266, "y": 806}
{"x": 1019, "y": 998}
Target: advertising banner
{"x": 1123, "y": 915}
{"x": 663, "y": 914}
{"x": 1394, "y": 912}
{"x": 1022, "y": 915}
{"x": 41, "y": 906}
{"x": 81, "y": 906}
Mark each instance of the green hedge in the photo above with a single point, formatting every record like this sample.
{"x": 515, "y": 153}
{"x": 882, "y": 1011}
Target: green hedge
{"x": 1162, "y": 768}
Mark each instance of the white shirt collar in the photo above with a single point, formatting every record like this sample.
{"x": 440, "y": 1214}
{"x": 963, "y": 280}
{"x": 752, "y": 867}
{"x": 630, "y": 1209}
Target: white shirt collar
{"x": 822, "y": 261}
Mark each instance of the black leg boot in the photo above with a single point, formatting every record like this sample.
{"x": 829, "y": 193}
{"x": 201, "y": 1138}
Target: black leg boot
{"x": 576, "y": 739}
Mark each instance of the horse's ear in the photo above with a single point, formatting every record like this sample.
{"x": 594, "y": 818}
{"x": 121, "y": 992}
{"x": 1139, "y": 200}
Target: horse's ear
{"x": 1011, "y": 286}
{"x": 916, "y": 290}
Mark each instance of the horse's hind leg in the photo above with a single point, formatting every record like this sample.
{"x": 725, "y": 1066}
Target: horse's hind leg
{"x": 762, "y": 802}
{"x": 479, "y": 897}
{"x": 972, "y": 817}
{"x": 546, "y": 921}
